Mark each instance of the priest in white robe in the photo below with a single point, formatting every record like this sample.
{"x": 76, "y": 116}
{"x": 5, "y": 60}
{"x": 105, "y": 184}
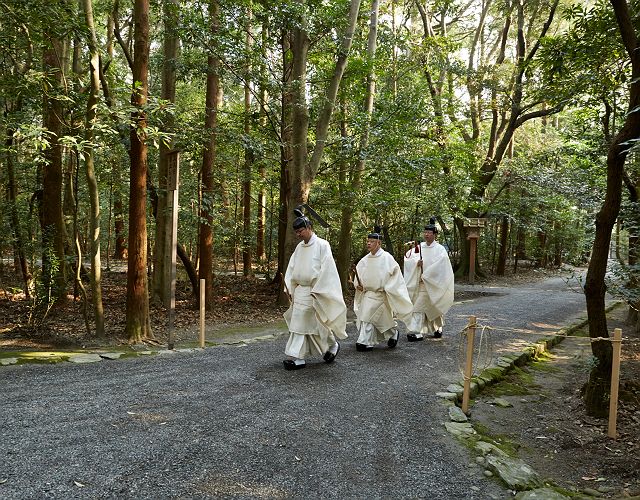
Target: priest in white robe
{"x": 317, "y": 316}
{"x": 429, "y": 278}
{"x": 381, "y": 293}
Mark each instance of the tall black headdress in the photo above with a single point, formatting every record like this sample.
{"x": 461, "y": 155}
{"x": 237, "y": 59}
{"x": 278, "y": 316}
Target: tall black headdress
{"x": 302, "y": 220}
{"x": 376, "y": 234}
{"x": 432, "y": 225}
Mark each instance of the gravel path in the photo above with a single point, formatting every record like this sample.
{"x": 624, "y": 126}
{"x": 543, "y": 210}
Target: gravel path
{"x": 231, "y": 422}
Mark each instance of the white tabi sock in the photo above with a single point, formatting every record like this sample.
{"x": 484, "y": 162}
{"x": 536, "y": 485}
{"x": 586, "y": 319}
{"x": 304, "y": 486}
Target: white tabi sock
{"x": 419, "y": 335}
{"x": 334, "y": 348}
{"x": 299, "y": 362}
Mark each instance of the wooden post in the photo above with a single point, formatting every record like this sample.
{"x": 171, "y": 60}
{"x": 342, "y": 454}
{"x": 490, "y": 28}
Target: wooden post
{"x": 473, "y": 227}
{"x": 615, "y": 380}
{"x": 473, "y": 243}
{"x": 202, "y": 311}
{"x": 468, "y": 368}
{"x": 173, "y": 174}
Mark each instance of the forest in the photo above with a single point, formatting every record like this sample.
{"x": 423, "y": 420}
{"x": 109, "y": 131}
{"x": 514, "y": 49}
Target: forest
{"x": 119, "y": 113}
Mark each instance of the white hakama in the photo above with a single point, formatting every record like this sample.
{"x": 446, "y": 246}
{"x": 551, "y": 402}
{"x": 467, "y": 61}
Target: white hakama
{"x": 432, "y": 290}
{"x": 385, "y": 294}
{"x": 317, "y": 314}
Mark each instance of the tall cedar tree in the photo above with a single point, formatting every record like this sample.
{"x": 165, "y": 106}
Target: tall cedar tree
{"x": 138, "y": 324}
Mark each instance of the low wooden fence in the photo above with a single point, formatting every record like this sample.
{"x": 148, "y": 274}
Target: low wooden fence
{"x": 470, "y": 333}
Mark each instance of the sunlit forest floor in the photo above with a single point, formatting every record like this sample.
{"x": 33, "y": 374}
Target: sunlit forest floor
{"x": 237, "y": 301}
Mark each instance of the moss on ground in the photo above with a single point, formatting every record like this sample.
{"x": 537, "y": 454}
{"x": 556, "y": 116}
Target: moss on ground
{"x": 502, "y": 442}
{"x": 517, "y": 382}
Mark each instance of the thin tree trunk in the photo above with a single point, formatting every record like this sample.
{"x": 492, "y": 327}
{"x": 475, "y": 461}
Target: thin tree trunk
{"x": 120, "y": 250}
{"x": 261, "y": 218}
{"x": 504, "y": 239}
{"x": 163, "y": 250}
{"x": 208, "y": 160}
{"x": 138, "y": 322}
{"x": 286, "y": 160}
{"x": 92, "y": 183}
{"x": 248, "y": 158}
{"x": 12, "y": 192}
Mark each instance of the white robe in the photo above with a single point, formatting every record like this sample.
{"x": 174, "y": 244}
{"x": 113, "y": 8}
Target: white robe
{"x": 384, "y": 294}
{"x": 317, "y": 313}
{"x": 430, "y": 291}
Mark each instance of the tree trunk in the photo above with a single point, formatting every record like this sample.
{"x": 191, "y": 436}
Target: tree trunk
{"x": 541, "y": 261}
{"x": 208, "y": 161}
{"x": 248, "y": 158}
{"x": 633, "y": 318}
{"x": 52, "y": 221}
{"x": 120, "y": 250}
{"x": 138, "y": 322}
{"x": 557, "y": 253}
{"x": 163, "y": 250}
{"x": 596, "y": 390}
{"x": 12, "y": 194}
{"x": 92, "y": 182}
{"x": 286, "y": 156}
{"x": 504, "y": 243}
{"x": 462, "y": 269}
{"x": 261, "y": 254}
{"x": 303, "y": 170}
{"x": 348, "y": 199}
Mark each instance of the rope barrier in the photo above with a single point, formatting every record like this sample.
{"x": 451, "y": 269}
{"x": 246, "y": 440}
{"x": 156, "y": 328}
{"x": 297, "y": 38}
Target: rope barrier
{"x": 467, "y": 338}
{"x": 548, "y": 334}
{"x": 485, "y": 350}
{"x": 485, "y": 345}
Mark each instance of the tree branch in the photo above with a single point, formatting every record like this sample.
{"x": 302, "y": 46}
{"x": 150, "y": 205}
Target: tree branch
{"x": 116, "y": 33}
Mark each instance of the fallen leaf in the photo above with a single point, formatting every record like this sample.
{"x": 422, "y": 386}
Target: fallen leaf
{"x": 78, "y": 484}
{"x": 297, "y": 458}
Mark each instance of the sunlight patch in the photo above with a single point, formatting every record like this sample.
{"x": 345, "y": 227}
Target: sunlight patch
{"x": 546, "y": 326}
{"x": 225, "y": 486}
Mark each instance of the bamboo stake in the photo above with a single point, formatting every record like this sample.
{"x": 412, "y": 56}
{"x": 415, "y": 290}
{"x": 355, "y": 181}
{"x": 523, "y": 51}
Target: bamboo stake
{"x": 202, "y": 309}
{"x": 615, "y": 381}
{"x": 468, "y": 369}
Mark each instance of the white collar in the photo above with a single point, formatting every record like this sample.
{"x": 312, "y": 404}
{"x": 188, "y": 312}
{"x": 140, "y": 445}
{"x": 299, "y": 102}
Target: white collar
{"x": 378, "y": 253}
{"x": 312, "y": 240}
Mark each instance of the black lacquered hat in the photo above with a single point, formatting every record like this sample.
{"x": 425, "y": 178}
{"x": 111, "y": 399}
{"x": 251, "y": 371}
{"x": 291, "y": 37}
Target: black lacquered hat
{"x": 301, "y": 220}
{"x": 376, "y": 234}
{"x": 432, "y": 225}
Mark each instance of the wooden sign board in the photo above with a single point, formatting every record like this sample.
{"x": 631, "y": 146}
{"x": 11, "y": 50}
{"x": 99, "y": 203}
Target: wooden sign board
{"x": 475, "y": 222}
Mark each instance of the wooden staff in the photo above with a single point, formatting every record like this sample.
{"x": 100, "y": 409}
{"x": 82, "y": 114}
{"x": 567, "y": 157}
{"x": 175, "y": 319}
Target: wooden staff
{"x": 355, "y": 271}
{"x": 285, "y": 288}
